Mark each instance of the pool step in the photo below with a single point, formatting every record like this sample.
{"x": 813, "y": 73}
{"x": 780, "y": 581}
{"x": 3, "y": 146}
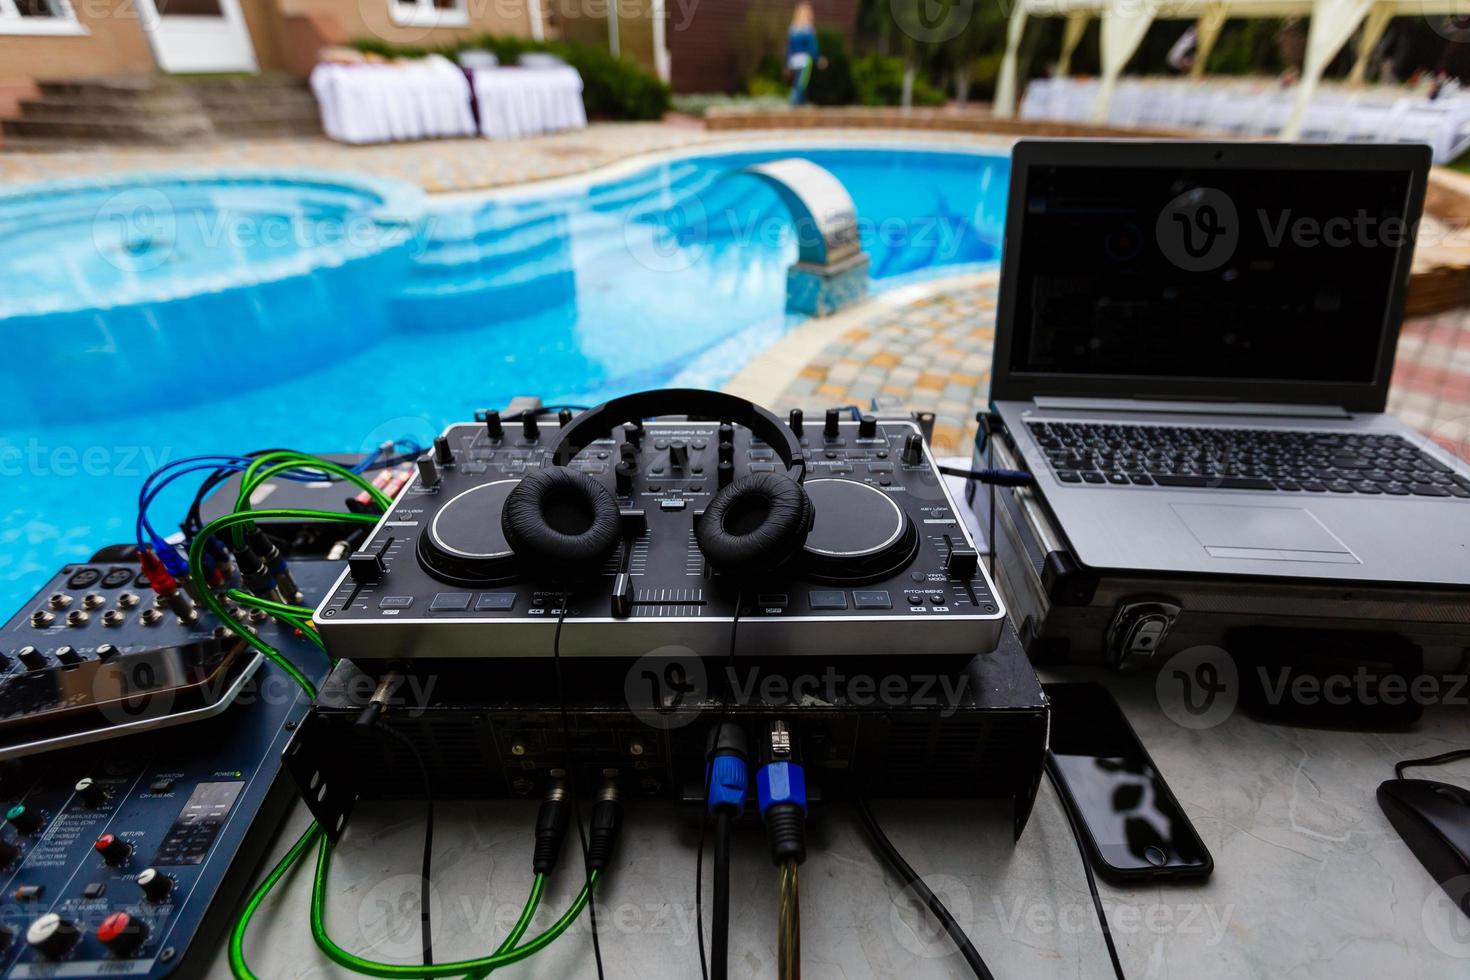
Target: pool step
{"x": 159, "y": 110}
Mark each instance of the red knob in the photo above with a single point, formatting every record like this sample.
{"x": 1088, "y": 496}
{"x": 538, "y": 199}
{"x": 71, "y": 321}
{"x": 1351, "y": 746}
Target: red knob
{"x": 112, "y": 849}
{"x": 122, "y": 933}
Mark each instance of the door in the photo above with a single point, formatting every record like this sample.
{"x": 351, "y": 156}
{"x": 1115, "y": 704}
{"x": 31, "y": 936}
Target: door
{"x": 197, "y": 35}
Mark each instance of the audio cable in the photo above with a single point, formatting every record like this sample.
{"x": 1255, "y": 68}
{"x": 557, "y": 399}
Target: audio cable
{"x": 571, "y": 770}
{"x": 993, "y": 477}
{"x": 780, "y": 786}
{"x": 931, "y": 901}
{"x": 709, "y": 774}
{"x": 1102, "y": 916}
{"x": 728, "y": 780}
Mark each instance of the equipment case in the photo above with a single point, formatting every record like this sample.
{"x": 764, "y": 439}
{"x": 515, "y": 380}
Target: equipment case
{"x": 1068, "y": 612}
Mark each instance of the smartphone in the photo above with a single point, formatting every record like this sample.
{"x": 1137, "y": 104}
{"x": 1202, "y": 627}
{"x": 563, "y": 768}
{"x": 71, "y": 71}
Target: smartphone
{"x": 1132, "y": 827}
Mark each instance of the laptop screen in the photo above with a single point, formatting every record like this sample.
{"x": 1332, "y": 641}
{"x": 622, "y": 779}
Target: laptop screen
{"x": 1247, "y": 274}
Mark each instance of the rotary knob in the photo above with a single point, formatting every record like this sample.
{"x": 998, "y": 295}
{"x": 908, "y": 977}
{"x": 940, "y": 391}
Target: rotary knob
{"x": 90, "y": 793}
{"x": 867, "y": 427}
{"x": 913, "y": 449}
{"x": 155, "y": 884}
{"x": 9, "y": 851}
{"x": 25, "y": 819}
{"x": 122, "y": 933}
{"x": 796, "y": 422}
{"x": 443, "y": 452}
{"x": 114, "y": 850}
{"x": 52, "y": 936}
{"x": 830, "y": 430}
{"x": 493, "y": 428}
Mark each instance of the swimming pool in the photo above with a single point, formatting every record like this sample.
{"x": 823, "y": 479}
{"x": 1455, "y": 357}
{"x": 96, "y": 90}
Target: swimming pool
{"x": 671, "y": 273}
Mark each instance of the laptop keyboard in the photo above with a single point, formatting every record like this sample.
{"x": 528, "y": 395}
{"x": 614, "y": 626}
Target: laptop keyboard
{"x": 1087, "y": 453}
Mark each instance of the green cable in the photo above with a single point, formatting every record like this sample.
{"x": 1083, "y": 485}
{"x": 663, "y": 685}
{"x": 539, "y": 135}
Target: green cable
{"x": 206, "y": 594}
{"x": 263, "y": 469}
{"x": 412, "y": 971}
{"x": 238, "y": 965}
{"x": 269, "y": 605}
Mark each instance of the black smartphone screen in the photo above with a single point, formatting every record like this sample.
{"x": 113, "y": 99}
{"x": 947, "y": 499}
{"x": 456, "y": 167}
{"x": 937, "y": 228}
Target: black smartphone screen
{"x": 1136, "y": 826}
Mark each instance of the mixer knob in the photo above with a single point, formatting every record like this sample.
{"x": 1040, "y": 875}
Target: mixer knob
{"x": 428, "y": 472}
{"x": 564, "y": 417}
{"x": 31, "y": 658}
{"x": 68, "y": 656}
{"x": 155, "y": 884}
{"x": 114, "y": 850}
{"x": 830, "y": 430}
{"x": 529, "y": 427}
{"x": 913, "y": 450}
{"x": 725, "y": 473}
{"x": 122, "y": 933}
{"x": 90, "y": 793}
{"x": 624, "y": 473}
{"x": 961, "y": 561}
{"x": 493, "y": 428}
{"x": 9, "y": 851}
{"x": 443, "y": 452}
{"x": 727, "y": 432}
{"x": 366, "y": 567}
{"x": 867, "y": 427}
{"x": 726, "y": 452}
{"x": 633, "y": 435}
{"x": 106, "y": 651}
{"x": 678, "y": 454}
{"x": 52, "y": 936}
{"x": 796, "y": 421}
{"x": 25, "y": 819}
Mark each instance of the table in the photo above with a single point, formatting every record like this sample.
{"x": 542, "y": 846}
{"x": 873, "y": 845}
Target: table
{"x": 379, "y": 103}
{"x": 528, "y": 101}
{"x": 1310, "y": 879}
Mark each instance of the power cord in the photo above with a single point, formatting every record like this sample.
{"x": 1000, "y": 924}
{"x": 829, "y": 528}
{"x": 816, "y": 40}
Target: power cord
{"x": 1102, "y": 917}
{"x": 727, "y": 780}
{"x": 566, "y": 730}
{"x": 780, "y": 786}
{"x": 911, "y": 879}
{"x": 1433, "y": 760}
{"x": 425, "y": 925}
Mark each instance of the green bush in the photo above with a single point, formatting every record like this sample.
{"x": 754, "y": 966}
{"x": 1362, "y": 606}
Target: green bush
{"x": 878, "y": 80}
{"x": 612, "y": 88}
{"x": 832, "y": 85}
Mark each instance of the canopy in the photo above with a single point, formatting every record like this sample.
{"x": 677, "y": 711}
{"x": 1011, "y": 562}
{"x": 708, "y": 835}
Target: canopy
{"x": 1125, "y": 22}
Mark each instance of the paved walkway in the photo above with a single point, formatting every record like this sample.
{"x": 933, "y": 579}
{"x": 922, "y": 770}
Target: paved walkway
{"x": 442, "y": 165}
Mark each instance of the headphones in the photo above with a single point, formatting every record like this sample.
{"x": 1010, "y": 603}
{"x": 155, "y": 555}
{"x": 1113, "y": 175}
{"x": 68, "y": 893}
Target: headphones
{"x": 563, "y": 524}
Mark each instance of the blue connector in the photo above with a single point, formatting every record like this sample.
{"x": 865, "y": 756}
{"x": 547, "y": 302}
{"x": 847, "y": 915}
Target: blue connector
{"x": 780, "y": 789}
{"x": 172, "y": 560}
{"x": 727, "y": 774}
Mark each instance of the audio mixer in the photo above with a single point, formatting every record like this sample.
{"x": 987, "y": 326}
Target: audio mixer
{"x": 829, "y": 539}
{"x": 98, "y": 654}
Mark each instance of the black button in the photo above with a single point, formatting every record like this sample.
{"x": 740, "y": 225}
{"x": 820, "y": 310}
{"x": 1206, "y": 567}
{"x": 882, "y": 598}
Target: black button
{"x": 772, "y": 599}
{"x": 1155, "y": 855}
{"x": 828, "y": 600}
{"x": 94, "y": 890}
{"x": 395, "y": 602}
{"x": 762, "y": 467}
{"x": 915, "y": 598}
{"x": 872, "y": 600}
{"x": 29, "y": 893}
{"x": 451, "y": 602}
{"x": 495, "y": 600}
{"x": 673, "y": 503}
{"x": 161, "y": 786}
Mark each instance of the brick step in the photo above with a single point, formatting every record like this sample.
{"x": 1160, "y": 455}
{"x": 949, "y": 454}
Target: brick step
{"x": 271, "y": 129}
{"x": 56, "y": 106}
{"x": 121, "y": 89}
{"x": 108, "y": 129}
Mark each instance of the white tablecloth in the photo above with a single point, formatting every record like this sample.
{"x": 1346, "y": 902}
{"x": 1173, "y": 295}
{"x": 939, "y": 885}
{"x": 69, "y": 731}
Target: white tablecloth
{"x": 1261, "y": 107}
{"x": 527, "y": 101}
{"x": 379, "y": 103}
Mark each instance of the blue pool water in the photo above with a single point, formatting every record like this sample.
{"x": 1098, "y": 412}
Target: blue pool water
{"x": 329, "y": 313}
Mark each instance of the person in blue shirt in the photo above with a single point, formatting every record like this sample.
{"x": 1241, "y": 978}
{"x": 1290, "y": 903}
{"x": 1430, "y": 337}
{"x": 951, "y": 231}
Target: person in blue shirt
{"x": 802, "y": 53}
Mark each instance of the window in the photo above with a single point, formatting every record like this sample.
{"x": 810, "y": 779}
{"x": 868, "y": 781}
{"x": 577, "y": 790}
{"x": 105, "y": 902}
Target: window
{"x": 425, "y": 13}
{"x": 38, "y": 17}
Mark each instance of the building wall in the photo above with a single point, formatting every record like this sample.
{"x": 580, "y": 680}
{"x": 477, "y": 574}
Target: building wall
{"x": 711, "y": 42}
{"x": 370, "y": 18}
{"x": 114, "y": 45}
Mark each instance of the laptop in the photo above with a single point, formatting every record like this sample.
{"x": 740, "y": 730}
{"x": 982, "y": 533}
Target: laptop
{"x": 1193, "y": 350}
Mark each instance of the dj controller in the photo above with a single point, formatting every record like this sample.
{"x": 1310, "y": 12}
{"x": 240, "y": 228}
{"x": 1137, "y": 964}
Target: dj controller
{"x": 153, "y": 733}
{"x": 885, "y": 566}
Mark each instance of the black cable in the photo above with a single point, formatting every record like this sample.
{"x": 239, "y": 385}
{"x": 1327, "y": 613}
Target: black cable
{"x": 425, "y": 925}
{"x": 1102, "y": 918}
{"x": 709, "y": 771}
{"x": 566, "y": 734}
{"x": 719, "y": 930}
{"x": 911, "y": 878}
{"x": 1433, "y": 760}
{"x": 993, "y": 477}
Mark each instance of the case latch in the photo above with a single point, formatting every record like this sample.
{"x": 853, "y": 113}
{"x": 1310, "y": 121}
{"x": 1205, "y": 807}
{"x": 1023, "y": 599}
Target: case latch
{"x": 1138, "y": 630}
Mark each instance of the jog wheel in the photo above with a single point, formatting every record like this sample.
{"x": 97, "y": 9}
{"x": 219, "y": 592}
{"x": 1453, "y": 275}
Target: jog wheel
{"x": 860, "y": 533}
{"x": 464, "y": 544}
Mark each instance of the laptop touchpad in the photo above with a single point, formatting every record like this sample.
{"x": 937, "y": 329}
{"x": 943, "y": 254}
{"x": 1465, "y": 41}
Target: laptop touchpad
{"x": 1244, "y": 531}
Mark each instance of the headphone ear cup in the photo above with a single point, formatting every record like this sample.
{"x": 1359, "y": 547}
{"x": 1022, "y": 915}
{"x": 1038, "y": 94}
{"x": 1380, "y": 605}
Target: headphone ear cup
{"x": 561, "y": 523}
{"x": 755, "y": 525}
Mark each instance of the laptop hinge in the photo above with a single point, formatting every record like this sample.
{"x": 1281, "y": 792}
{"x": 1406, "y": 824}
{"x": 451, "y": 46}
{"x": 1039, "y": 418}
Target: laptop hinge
{"x": 1160, "y": 407}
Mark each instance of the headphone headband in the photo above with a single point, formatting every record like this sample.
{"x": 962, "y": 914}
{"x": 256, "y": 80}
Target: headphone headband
{"x": 599, "y": 422}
